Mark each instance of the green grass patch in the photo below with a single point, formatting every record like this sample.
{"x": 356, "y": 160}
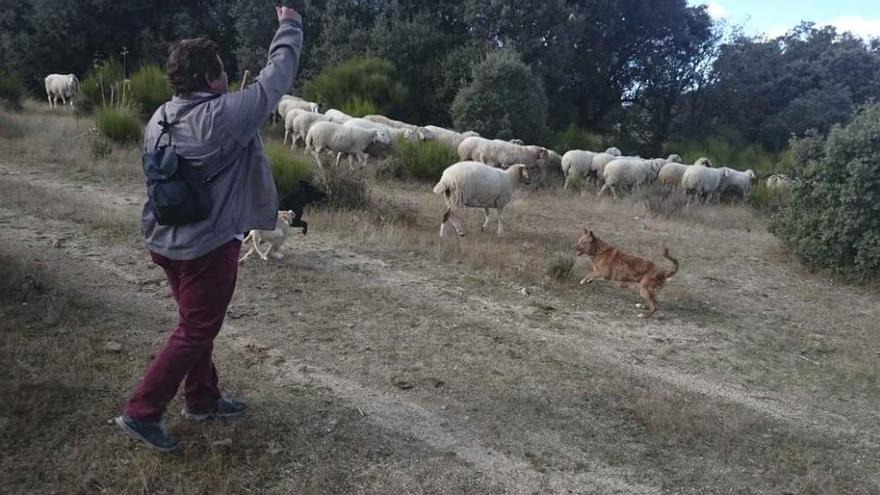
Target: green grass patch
{"x": 149, "y": 89}
{"x": 119, "y": 123}
{"x": 288, "y": 168}
{"x": 420, "y": 160}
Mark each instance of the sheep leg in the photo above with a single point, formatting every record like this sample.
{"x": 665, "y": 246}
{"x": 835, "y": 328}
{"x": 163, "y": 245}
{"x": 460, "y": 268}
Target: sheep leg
{"x": 446, "y": 215}
{"x": 604, "y": 188}
{"x": 63, "y": 100}
{"x": 49, "y": 97}
{"x": 317, "y": 154}
{"x": 338, "y": 157}
{"x": 286, "y": 134}
{"x": 500, "y": 222}
{"x": 486, "y": 220}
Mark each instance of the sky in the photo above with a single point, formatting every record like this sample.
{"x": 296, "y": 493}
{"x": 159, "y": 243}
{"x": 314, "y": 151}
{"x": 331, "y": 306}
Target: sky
{"x": 775, "y": 17}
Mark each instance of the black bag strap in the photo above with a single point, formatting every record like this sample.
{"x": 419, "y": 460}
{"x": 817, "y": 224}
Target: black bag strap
{"x": 166, "y": 126}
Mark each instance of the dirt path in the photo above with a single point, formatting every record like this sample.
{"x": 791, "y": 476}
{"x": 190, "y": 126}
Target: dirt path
{"x": 498, "y": 391}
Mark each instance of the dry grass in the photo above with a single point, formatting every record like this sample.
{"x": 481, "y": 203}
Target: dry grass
{"x": 756, "y": 318}
{"x": 61, "y": 139}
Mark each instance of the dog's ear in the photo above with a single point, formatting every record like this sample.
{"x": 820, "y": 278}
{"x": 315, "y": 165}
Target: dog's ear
{"x": 586, "y": 231}
{"x": 591, "y": 235}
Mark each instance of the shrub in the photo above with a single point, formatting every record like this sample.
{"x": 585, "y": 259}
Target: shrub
{"x": 505, "y": 100}
{"x": 100, "y": 147}
{"x": 149, "y": 89}
{"x": 101, "y": 86}
{"x": 288, "y": 168}
{"x": 765, "y": 199}
{"x": 11, "y": 90}
{"x": 346, "y": 190}
{"x": 560, "y": 267}
{"x": 119, "y": 123}
{"x": 358, "y": 79}
{"x": 420, "y": 160}
{"x": 833, "y": 220}
{"x": 359, "y": 107}
{"x": 577, "y": 138}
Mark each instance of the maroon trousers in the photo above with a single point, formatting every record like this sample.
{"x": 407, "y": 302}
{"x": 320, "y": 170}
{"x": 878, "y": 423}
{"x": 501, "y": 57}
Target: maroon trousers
{"x": 202, "y": 288}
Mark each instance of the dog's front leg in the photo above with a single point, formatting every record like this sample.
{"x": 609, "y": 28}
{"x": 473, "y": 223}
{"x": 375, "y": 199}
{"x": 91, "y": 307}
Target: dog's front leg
{"x": 298, "y": 222}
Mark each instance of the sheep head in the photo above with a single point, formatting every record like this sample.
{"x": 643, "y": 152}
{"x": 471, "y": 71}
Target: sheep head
{"x": 614, "y": 151}
{"x": 674, "y": 158}
{"x": 381, "y": 136}
{"x": 703, "y": 162}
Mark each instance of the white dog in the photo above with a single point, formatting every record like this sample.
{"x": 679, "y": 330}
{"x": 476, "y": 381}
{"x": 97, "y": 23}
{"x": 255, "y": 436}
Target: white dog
{"x": 272, "y": 238}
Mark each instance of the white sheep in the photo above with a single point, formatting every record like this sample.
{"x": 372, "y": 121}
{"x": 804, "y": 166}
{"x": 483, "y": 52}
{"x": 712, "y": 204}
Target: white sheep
{"x": 470, "y": 184}
{"x": 288, "y": 104}
{"x": 628, "y": 173}
{"x": 577, "y": 163}
{"x": 738, "y": 184}
{"x": 597, "y": 165}
{"x": 61, "y": 86}
{"x": 394, "y": 124}
{"x": 396, "y": 133}
{"x": 704, "y": 183}
{"x": 614, "y": 151}
{"x": 301, "y": 125}
{"x": 671, "y": 173}
{"x": 289, "y": 117}
{"x": 448, "y": 137}
{"x": 500, "y": 153}
{"x": 340, "y": 139}
{"x": 338, "y": 116}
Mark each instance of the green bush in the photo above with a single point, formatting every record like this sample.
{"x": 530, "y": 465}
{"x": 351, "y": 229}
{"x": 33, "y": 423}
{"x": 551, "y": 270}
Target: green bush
{"x": 575, "y": 183}
{"x": 505, "y": 100}
{"x": 420, "y": 160}
{"x": 833, "y": 220}
{"x": 769, "y": 200}
{"x": 364, "y": 79}
{"x": 359, "y": 107}
{"x": 288, "y": 168}
{"x": 11, "y": 90}
{"x": 119, "y": 123}
{"x": 149, "y": 89}
{"x": 102, "y": 86}
{"x": 578, "y": 138}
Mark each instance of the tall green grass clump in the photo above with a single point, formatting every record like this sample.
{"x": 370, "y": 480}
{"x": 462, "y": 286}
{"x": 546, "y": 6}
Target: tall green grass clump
{"x": 359, "y": 107}
{"x": 574, "y": 137}
{"x": 149, "y": 89}
{"x": 358, "y": 80}
{"x": 12, "y": 90}
{"x": 101, "y": 86}
{"x": 287, "y": 168}
{"x": 121, "y": 124}
{"x": 420, "y": 160}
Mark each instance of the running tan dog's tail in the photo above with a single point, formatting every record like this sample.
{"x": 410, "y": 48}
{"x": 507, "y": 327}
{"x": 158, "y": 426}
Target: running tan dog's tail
{"x": 674, "y": 263}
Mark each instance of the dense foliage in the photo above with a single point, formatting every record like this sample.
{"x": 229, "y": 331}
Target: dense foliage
{"x": 834, "y": 217}
{"x": 647, "y": 73}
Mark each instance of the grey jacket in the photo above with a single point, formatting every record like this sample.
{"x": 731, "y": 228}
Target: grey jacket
{"x": 221, "y": 137}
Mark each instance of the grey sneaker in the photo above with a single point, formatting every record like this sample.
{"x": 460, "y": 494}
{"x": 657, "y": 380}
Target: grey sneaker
{"x": 152, "y": 434}
{"x": 224, "y": 408}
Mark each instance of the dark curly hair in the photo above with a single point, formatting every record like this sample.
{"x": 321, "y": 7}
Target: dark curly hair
{"x": 188, "y": 63}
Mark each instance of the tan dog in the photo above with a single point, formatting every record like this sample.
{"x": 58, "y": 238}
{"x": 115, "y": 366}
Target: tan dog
{"x": 273, "y": 238}
{"x": 613, "y": 264}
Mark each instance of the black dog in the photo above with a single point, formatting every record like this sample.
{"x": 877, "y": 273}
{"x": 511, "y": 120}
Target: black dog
{"x": 296, "y": 200}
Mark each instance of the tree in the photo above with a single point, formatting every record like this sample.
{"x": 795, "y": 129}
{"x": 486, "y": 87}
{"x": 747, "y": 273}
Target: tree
{"x": 834, "y": 217}
{"x": 505, "y": 99}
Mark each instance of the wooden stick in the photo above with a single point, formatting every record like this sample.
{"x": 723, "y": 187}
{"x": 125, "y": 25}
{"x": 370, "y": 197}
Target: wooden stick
{"x": 244, "y": 79}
